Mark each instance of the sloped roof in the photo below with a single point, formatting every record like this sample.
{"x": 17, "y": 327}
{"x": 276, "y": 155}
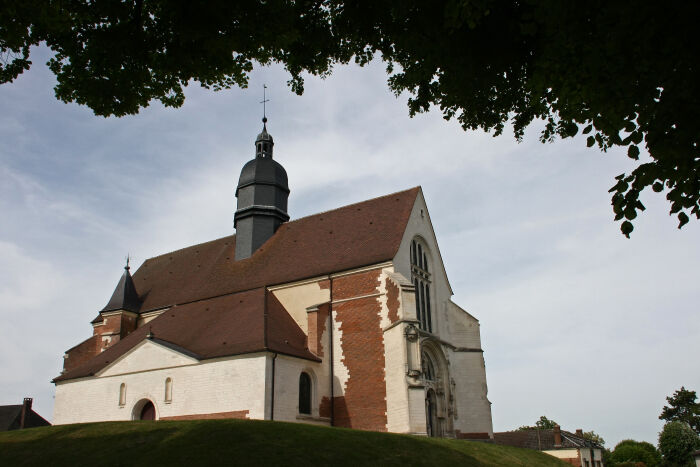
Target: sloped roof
{"x": 243, "y": 322}
{"x": 218, "y": 306}
{"x": 541, "y": 439}
{"x": 349, "y": 237}
{"x": 10, "y": 418}
{"x": 124, "y": 296}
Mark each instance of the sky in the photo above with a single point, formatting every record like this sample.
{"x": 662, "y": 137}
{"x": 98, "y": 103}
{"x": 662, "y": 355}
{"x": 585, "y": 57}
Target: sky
{"x": 578, "y": 323}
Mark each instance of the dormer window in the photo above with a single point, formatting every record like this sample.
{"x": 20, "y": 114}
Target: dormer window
{"x": 420, "y": 274}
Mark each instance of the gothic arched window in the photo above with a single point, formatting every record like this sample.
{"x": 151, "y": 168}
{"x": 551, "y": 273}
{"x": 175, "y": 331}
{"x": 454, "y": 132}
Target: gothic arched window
{"x": 428, "y": 367}
{"x": 420, "y": 273}
{"x": 305, "y": 394}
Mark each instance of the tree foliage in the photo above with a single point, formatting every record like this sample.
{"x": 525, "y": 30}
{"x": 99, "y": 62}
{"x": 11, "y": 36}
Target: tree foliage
{"x": 623, "y": 73}
{"x": 594, "y": 437}
{"x": 683, "y": 407}
{"x": 677, "y": 442}
{"x": 543, "y": 424}
{"x": 630, "y": 451}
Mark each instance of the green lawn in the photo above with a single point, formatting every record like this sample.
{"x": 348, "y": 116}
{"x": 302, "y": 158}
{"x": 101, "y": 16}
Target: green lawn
{"x": 244, "y": 442}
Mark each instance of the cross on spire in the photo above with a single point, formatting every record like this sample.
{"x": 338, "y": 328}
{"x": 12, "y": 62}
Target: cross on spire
{"x": 127, "y": 262}
{"x": 263, "y": 103}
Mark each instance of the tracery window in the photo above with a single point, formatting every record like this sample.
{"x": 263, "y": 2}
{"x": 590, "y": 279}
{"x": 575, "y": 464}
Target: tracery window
{"x": 168, "y": 390}
{"x": 305, "y": 394}
{"x": 122, "y": 394}
{"x": 420, "y": 273}
{"x": 428, "y": 368}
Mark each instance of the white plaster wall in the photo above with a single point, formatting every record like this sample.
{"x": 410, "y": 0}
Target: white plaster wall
{"x": 287, "y": 371}
{"x": 563, "y": 453}
{"x": 297, "y": 298}
{"x": 419, "y": 225}
{"x": 462, "y": 328}
{"x": 473, "y": 407}
{"x": 221, "y": 385}
{"x": 341, "y": 375}
{"x": 395, "y": 356}
{"x": 147, "y": 355}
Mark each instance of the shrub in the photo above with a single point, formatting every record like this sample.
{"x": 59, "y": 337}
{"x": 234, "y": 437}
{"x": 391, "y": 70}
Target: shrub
{"x": 630, "y": 452}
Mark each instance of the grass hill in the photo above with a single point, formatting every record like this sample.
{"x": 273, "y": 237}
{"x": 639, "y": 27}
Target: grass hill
{"x": 245, "y": 442}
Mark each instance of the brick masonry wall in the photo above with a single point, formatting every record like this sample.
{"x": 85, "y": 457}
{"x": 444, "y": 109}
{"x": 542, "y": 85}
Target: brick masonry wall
{"x": 362, "y": 403}
{"x": 81, "y": 353}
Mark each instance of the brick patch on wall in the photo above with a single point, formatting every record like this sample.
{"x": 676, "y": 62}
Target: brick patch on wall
{"x": 392, "y": 300}
{"x": 356, "y": 285}
{"x": 239, "y": 414}
{"x": 363, "y": 405}
{"x": 316, "y": 327}
{"x": 82, "y": 352}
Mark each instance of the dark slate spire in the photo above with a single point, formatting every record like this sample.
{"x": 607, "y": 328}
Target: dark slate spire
{"x": 124, "y": 296}
{"x": 262, "y": 194}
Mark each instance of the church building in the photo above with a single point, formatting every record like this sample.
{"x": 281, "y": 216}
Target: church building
{"x": 342, "y": 318}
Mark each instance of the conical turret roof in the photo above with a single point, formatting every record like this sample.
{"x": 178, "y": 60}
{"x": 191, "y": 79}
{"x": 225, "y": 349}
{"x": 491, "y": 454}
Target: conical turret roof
{"x": 124, "y": 296}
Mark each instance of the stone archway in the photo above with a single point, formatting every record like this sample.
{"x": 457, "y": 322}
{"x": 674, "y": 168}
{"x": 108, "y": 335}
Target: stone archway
{"x": 436, "y": 381}
{"x": 144, "y": 410}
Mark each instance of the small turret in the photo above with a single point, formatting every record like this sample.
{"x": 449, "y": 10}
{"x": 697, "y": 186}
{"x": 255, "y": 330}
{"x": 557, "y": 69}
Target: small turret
{"x": 120, "y": 316}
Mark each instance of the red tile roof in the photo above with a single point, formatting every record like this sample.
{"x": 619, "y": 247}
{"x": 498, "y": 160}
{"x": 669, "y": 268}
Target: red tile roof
{"x": 349, "y": 237}
{"x": 220, "y": 307}
{"x": 541, "y": 439}
{"x": 243, "y": 322}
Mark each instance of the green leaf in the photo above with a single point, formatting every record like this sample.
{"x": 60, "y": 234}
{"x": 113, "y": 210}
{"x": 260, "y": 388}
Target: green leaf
{"x": 683, "y": 218}
{"x": 633, "y": 152}
{"x": 587, "y": 129}
{"x": 627, "y": 228}
{"x": 657, "y": 187}
{"x": 590, "y": 141}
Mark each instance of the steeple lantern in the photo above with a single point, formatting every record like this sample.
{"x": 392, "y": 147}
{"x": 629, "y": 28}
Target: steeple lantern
{"x": 262, "y": 194}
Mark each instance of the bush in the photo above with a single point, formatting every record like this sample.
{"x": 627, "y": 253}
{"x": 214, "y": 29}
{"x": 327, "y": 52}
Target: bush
{"x": 630, "y": 452}
{"x": 677, "y": 441}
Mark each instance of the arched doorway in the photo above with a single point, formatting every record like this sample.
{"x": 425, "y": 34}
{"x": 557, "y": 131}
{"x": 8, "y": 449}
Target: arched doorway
{"x": 144, "y": 410}
{"x": 431, "y": 413}
{"x": 436, "y": 381}
{"x": 148, "y": 412}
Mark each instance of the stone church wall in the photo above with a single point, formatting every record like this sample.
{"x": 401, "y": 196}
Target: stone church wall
{"x": 203, "y": 389}
{"x": 287, "y": 373}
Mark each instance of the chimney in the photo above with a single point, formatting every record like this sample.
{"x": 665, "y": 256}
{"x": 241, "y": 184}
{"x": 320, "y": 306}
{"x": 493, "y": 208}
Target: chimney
{"x": 26, "y": 408}
{"x": 579, "y": 432}
{"x": 557, "y": 436}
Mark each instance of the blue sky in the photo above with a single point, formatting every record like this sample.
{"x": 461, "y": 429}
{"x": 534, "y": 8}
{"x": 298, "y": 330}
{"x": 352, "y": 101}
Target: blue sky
{"x": 578, "y": 323}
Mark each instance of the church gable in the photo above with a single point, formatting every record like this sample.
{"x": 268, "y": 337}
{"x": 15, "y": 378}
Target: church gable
{"x": 150, "y": 354}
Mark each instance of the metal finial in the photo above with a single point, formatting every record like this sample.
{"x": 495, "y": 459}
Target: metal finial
{"x": 127, "y": 262}
{"x": 263, "y": 103}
